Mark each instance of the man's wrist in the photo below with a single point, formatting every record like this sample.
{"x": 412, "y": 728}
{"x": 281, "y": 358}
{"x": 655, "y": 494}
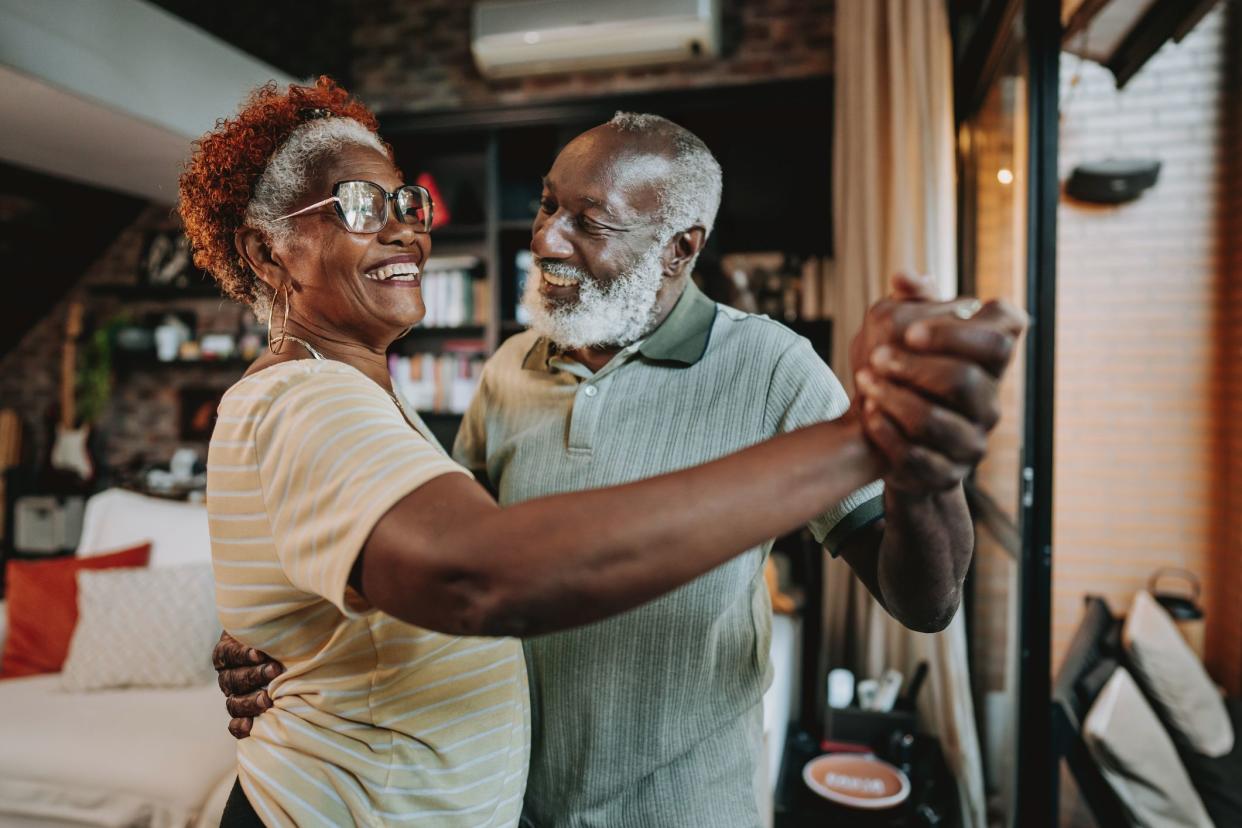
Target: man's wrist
{"x": 899, "y": 500}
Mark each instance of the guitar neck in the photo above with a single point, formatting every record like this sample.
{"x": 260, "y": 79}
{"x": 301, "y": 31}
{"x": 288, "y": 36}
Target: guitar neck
{"x": 68, "y": 360}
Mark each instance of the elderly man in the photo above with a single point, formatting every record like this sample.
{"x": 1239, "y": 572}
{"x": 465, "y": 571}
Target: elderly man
{"x": 653, "y": 718}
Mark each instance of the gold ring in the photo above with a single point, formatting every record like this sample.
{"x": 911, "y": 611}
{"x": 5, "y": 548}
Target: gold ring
{"x": 967, "y": 311}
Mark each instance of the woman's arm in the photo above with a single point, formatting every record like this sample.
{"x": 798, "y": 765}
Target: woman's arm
{"x": 447, "y": 558}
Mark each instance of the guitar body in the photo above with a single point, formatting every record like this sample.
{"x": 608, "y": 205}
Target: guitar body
{"x": 70, "y": 452}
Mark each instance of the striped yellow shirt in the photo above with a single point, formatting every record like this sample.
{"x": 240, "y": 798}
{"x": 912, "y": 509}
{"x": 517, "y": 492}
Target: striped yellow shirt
{"x": 375, "y": 722}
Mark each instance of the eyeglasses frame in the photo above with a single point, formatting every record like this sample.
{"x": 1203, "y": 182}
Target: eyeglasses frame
{"x": 335, "y": 200}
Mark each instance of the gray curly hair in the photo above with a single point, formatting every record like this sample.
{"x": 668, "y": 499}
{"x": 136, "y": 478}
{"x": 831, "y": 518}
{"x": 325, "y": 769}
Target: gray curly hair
{"x": 288, "y": 174}
{"x": 691, "y": 194}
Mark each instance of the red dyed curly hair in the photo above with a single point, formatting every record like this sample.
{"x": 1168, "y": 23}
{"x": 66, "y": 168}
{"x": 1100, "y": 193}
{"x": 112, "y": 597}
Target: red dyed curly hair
{"x": 219, "y": 179}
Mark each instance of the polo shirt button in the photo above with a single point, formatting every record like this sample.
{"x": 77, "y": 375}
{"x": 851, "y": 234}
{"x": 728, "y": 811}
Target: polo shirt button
{"x": 591, "y": 391}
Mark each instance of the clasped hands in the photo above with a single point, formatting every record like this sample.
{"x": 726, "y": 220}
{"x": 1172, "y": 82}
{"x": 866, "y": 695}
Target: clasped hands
{"x": 927, "y": 376}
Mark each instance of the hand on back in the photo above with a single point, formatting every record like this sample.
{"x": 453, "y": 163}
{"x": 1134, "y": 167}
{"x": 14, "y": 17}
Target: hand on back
{"x": 244, "y": 674}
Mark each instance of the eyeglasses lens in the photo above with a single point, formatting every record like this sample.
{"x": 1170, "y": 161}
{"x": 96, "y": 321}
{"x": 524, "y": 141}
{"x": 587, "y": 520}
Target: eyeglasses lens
{"x": 414, "y": 207}
{"x": 362, "y": 206}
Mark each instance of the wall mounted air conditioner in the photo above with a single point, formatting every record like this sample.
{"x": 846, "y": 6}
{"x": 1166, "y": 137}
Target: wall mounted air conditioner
{"x": 527, "y": 37}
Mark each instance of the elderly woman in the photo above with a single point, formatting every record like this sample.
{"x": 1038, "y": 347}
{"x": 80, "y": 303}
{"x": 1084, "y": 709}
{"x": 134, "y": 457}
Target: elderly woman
{"x": 347, "y": 544}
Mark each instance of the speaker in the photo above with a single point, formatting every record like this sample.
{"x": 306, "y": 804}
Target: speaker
{"x": 1112, "y": 181}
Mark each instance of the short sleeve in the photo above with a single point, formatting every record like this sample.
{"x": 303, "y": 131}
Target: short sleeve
{"x": 804, "y": 391}
{"x": 334, "y": 455}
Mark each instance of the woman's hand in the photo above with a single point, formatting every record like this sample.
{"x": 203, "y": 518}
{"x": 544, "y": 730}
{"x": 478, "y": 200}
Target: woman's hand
{"x": 930, "y": 396}
{"x": 244, "y": 674}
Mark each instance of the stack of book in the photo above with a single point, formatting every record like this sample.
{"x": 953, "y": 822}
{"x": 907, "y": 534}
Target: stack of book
{"x": 453, "y": 296}
{"x": 441, "y": 383}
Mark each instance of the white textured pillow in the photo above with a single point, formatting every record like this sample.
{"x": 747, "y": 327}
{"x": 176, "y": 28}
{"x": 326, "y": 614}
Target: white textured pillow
{"x": 143, "y": 628}
{"x": 1138, "y": 759}
{"x": 1174, "y": 678}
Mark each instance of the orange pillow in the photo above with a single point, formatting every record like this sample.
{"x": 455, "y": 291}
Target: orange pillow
{"x": 43, "y": 608}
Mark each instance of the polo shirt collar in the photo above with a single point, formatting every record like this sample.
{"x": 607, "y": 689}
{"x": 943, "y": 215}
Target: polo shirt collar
{"x": 682, "y": 336}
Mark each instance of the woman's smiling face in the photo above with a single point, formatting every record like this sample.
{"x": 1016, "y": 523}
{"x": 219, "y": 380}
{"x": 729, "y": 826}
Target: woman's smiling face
{"x": 354, "y": 286}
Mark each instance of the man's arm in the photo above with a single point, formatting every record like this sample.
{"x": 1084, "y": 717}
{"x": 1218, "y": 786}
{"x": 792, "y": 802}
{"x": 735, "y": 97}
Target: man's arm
{"x": 929, "y": 402}
{"x": 913, "y": 561}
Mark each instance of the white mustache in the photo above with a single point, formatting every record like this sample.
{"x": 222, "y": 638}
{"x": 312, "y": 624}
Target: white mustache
{"x": 562, "y": 270}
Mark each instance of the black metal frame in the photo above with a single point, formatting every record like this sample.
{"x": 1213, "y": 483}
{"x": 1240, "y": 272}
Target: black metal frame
{"x": 1035, "y": 801}
{"x": 983, "y": 56}
{"x": 1035, "y": 770}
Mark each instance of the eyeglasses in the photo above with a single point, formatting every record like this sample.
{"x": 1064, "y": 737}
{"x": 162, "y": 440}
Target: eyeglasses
{"x": 363, "y": 206}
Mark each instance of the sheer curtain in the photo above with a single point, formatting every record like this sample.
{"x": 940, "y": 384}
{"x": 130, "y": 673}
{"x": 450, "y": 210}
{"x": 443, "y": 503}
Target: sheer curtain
{"x": 894, "y": 209}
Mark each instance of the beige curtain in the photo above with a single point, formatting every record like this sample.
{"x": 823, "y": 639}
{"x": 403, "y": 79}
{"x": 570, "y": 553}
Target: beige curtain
{"x": 894, "y": 209}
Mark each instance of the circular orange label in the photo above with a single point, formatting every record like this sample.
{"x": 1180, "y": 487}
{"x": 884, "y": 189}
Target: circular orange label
{"x": 859, "y": 781}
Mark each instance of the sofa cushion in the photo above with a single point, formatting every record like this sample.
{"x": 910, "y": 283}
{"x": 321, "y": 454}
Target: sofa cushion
{"x": 1216, "y": 778}
{"x": 177, "y": 531}
{"x": 1138, "y": 758}
{"x": 143, "y": 628}
{"x": 42, "y": 598}
{"x": 1174, "y": 679}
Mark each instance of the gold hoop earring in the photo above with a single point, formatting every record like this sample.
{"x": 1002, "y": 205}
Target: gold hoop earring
{"x": 271, "y": 346}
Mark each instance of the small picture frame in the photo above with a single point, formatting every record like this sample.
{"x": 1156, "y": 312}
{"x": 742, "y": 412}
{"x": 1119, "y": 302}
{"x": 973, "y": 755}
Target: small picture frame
{"x": 166, "y": 260}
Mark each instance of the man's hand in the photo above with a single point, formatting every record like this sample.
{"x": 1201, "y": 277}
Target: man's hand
{"x": 927, "y": 377}
{"x": 931, "y": 400}
{"x": 244, "y": 674}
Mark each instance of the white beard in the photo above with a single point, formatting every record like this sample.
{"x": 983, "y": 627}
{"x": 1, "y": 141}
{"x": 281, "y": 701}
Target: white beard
{"x": 617, "y": 315}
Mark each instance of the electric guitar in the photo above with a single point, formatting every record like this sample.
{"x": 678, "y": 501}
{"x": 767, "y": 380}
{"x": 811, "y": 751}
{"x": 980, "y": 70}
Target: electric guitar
{"x": 69, "y": 451}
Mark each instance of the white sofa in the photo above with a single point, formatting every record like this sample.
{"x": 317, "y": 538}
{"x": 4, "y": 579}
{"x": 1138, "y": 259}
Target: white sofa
{"x": 137, "y": 757}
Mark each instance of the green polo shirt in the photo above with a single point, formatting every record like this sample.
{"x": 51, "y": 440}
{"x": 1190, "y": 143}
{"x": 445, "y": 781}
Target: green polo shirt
{"x": 653, "y": 717}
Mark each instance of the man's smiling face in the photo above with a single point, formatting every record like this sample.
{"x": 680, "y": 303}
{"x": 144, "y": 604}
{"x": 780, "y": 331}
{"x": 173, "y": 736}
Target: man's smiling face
{"x": 598, "y": 242}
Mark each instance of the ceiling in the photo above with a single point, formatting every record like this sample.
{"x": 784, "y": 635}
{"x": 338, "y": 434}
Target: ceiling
{"x": 100, "y": 102}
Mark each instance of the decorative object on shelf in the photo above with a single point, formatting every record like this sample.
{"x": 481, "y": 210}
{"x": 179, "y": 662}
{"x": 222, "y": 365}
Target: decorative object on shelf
{"x": 189, "y": 351}
{"x": 70, "y": 453}
{"x": 134, "y": 339}
{"x": 185, "y": 477}
{"x": 217, "y": 346}
{"x": 166, "y": 261}
{"x": 169, "y": 336}
{"x": 441, "y": 215}
{"x": 198, "y": 412}
{"x": 249, "y": 344}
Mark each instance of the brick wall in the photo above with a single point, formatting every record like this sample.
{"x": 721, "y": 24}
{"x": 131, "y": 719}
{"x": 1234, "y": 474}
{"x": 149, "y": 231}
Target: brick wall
{"x": 141, "y": 423}
{"x": 416, "y": 56}
{"x": 1139, "y": 296}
